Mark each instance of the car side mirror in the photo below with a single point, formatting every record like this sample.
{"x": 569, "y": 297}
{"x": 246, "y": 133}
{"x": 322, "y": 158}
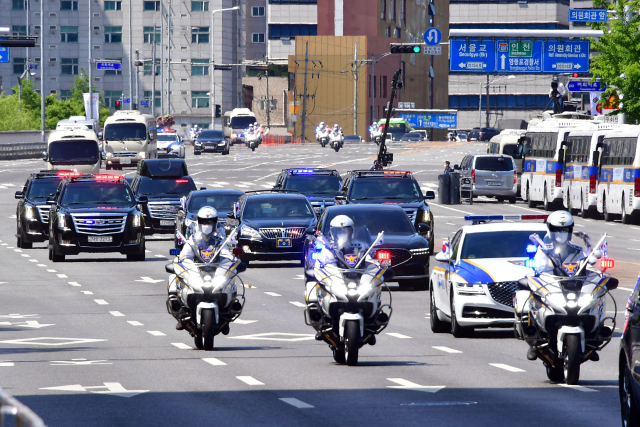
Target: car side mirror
{"x": 169, "y": 268}
{"x": 104, "y": 154}
{"x": 612, "y": 283}
{"x": 596, "y": 158}
{"x": 143, "y": 199}
{"x": 423, "y": 228}
{"x": 231, "y": 215}
{"x": 19, "y": 195}
{"x": 442, "y": 257}
{"x": 456, "y": 167}
{"x": 429, "y": 195}
{"x": 561, "y": 156}
{"x": 51, "y": 200}
{"x": 45, "y": 156}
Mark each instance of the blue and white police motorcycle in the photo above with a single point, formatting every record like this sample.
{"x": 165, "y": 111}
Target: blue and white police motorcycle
{"x": 344, "y": 305}
{"x": 560, "y": 310}
{"x": 322, "y": 135}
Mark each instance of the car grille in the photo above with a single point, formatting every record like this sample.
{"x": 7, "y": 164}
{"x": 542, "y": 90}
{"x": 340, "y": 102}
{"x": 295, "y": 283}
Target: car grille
{"x": 275, "y": 233}
{"x": 99, "y": 224}
{"x": 503, "y": 292}
{"x": 411, "y": 213}
{"x": 44, "y": 212}
{"x": 163, "y": 210}
{"x": 398, "y": 255}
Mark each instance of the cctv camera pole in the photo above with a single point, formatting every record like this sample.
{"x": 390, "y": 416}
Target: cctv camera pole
{"x": 382, "y": 154}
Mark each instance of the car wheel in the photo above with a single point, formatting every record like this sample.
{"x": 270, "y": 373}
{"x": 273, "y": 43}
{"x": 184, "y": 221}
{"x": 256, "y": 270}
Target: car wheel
{"x": 512, "y": 200}
{"x": 545, "y": 201}
{"x": 626, "y": 218}
{"x": 500, "y": 199}
{"x": 196, "y": 153}
{"x": 530, "y": 203}
{"x": 607, "y": 216}
{"x": 456, "y": 330}
{"x": 628, "y": 408}
{"x": 584, "y": 213}
{"x": 437, "y": 325}
{"x": 54, "y": 255}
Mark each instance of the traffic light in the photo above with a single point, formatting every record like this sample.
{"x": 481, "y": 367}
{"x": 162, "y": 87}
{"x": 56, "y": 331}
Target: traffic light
{"x": 118, "y": 104}
{"x": 406, "y": 47}
{"x": 218, "y": 110}
{"x": 588, "y": 75}
{"x": 17, "y": 41}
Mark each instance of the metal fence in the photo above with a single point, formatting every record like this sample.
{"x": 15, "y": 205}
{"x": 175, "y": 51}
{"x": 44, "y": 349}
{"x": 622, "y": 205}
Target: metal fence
{"x": 21, "y": 150}
{"x": 24, "y": 417}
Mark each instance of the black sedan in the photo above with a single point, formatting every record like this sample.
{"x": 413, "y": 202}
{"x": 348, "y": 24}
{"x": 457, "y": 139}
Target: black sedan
{"x": 408, "y": 250}
{"x": 220, "y": 200}
{"x": 212, "y": 141}
{"x": 411, "y": 137}
{"x": 273, "y": 225}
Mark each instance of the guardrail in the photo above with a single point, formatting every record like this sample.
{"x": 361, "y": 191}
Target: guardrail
{"x": 21, "y": 150}
{"x": 24, "y": 417}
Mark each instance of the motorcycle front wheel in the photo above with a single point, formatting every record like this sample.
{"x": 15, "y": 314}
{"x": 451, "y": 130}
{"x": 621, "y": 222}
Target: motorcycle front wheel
{"x": 208, "y": 329}
{"x": 338, "y": 356}
{"x": 351, "y": 342}
{"x": 573, "y": 353}
{"x": 337, "y": 148}
{"x": 555, "y": 374}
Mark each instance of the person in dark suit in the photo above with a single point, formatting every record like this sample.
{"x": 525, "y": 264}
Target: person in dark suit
{"x": 447, "y": 168}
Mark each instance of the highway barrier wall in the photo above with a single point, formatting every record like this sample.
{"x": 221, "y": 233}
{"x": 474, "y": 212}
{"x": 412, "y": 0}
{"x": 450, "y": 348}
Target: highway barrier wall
{"x": 21, "y": 144}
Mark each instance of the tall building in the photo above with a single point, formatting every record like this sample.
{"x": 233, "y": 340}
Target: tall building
{"x": 184, "y": 74}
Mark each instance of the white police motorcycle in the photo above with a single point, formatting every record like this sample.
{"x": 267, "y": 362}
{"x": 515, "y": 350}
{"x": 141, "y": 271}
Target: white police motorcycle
{"x": 203, "y": 293}
{"x": 345, "y": 307}
{"x": 336, "y": 139}
{"x": 561, "y": 314}
{"x": 322, "y": 135}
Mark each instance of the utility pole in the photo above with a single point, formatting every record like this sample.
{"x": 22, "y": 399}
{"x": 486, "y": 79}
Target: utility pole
{"x": 90, "y": 67}
{"x": 163, "y": 101}
{"x": 268, "y": 99}
{"x": 153, "y": 72}
{"x": 169, "y": 59}
{"x": 356, "y": 68}
{"x": 304, "y": 97}
{"x": 28, "y": 4}
{"x": 137, "y": 77}
{"x": 487, "y": 100}
{"x": 373, "y": 85}
{"x": 130, "y": 61}
{"x": 42, "y": 124}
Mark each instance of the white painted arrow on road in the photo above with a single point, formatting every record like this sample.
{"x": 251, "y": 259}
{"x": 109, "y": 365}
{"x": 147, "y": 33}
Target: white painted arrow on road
{"x": 115, "y": 389}
{"x": 408, "y": 385}
{"x": 28, "y": 324}
{"x": 149, "y": 280}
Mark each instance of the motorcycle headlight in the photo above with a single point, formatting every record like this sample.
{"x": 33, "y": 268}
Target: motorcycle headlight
{"x": 137, "y": 220}
{"x": 249, "y": 232}
{"x": 585, "y": 299}
{"x": 62, "y": 221}
{"x": 557, "y": 299}
{"x": 142, "y": 155}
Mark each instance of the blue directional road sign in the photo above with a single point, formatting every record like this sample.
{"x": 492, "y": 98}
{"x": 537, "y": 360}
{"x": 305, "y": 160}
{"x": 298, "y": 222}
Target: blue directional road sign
{"x": 431, "y": 120}
{"x": 144, "y": 103}
{"x": 4, "y": 54}
{"x": 432, "y": 36}
{"x": 127, "y": 101}
{"x": 579, "y": 86}
{"x": 109, "y": 66}
{"x": 587, "y": 15}
{"x": 473, "y": 55}
{"x": 33, "y": 66}
{"x": 566, "y": 55}
{"x": 519, "y": 56}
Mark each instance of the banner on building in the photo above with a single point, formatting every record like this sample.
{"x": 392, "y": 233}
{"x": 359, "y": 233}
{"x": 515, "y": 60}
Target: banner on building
{"x": 96, "y": 105}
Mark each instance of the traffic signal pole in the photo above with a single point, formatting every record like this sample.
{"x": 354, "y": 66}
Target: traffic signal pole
{"x": 385, "y": 158}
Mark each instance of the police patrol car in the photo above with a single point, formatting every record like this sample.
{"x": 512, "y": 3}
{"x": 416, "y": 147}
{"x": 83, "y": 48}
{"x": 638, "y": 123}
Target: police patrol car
{"x": 477, "y": 274}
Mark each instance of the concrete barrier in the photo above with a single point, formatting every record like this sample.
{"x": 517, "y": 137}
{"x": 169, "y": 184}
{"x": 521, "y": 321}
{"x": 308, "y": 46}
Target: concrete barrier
{"x": 22, "y": 144}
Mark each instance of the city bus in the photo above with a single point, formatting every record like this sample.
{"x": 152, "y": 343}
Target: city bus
{"x": 129, "y": 136}
{"x": 619, "y": 184}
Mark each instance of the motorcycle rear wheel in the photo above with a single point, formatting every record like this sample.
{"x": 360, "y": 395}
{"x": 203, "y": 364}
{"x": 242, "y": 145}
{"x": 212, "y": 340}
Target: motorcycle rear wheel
{"x": 352, "y": 342}
{"x": 573, "y": 351}
{"x": 208, "y": 329}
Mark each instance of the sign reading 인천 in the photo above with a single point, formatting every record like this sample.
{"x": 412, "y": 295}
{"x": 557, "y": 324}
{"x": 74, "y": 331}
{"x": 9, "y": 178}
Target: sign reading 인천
{"x": 587, "y": 15}
{"x": 519, "y": 56}
{"x": 473, "y": 55}
{"x": 431, "y": 120}
{"x": 520, "y": 49}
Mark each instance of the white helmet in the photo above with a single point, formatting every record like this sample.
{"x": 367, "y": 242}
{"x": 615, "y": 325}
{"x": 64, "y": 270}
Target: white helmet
{"x": 195, "y": 126}
{"x": 207, "y": 219}
{"x": 335, "y": 126}
{"x": 341, "y": 229}
{"x": 321, "y": 124}
{"x": 560, "y": 225}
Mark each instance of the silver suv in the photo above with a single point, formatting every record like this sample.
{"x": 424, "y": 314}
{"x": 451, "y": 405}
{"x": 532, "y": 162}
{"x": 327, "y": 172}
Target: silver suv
{"x": 492, "y": 175}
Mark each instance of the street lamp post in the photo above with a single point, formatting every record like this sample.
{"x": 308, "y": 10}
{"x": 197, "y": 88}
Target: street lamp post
{"x": 486, "y": 85}
{"x": 212, "y": 72}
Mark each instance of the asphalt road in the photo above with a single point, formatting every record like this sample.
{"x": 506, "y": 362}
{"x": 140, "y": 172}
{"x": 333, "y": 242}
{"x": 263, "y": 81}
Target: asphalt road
{"x": 89, "y": 342}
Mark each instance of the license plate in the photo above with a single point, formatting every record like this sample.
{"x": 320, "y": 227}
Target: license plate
{"x": 494, "y": 184}
{"x": 283, "y": 243}
{"x": 125, "y": 161}
{"x": 166, "y": 222}
{"x": 100, "y": 239}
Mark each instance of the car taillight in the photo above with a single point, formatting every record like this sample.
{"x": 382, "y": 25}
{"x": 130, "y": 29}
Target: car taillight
{"x": 515, "y": 177}
{"x": 182, "y": 181}
{"x": 636, "y": 187}
{"x": 592, "y": 185}
{"x": 383, "y": 256}
{"x": 558, "y": 177}
{"x": 473, "y": 176}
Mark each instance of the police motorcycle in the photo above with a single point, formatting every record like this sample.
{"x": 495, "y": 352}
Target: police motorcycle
{"x": 560, "y": 310}
{"x": 203, "y": 292}
{"x": 252, "y": 138}
{"x": 376, "y": 133}
{"x": 344, "y": 304}
{"x": 336, "y": 138}
{"x": 322, "y": 134}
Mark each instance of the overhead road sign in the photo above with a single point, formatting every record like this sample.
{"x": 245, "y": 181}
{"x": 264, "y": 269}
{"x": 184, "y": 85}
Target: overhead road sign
{"x": 519, "y": 56}
{"x": 579, "y": 86}
{"x": 566, "y": 55}
{"x": 587, "y": 15}
{"x": 443, "y": 119}
{"x": 473, "y": 55}
{"x": 529, "y": 34}
{"x": 432, "y": 36}
{"x": 109, "y": 66}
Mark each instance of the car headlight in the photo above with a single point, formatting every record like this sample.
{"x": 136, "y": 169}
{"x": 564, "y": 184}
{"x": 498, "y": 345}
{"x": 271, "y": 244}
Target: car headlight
{"x": 249, "y": 232}
{"x": 109, "y": 154}
{"x": 137, "y": 220}
{"x": 419, "y": 251}
{"x": 30, "y": 213}
{"x": 62, "y": 221}
{"x": 557, "y": 299}
{"x": 142, "y": 155}
{"x": 425, "y": 216}
{"x": 469, "y": 289}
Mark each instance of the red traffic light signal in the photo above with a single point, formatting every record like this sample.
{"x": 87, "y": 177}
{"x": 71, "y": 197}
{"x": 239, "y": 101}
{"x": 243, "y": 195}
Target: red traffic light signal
{"x": 118, "y": 104}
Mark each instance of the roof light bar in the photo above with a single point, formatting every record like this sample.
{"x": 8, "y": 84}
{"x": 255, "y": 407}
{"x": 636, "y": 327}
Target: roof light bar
{"x": 108, "y": 177}
{"x": 69, "y": 173}
{"x": 301, "y": 171}
{"x": 395, "y": 172}
{"x": 478, "y": 218}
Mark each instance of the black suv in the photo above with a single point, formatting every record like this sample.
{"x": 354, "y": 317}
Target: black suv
{"x": 32, "y": 212}
{"x": 319, "y": 185}
{"x": 95, "y": 213}
{"x": 164, "y": 182}
{"x": 273, "y": 225}
{"x": 389, "y": 187}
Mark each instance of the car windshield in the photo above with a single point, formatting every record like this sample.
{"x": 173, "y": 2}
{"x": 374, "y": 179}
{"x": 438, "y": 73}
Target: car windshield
{"x": 41, "y": 188}
{"x": 392, "y": 222}
{"x": 272, "y": 208}
{"x": 483, "y": 245}
{"x": 510, "y": 150}
{"x": 221, "y": 202}
{"x": 495, "y": 164}
{"x": 167, "y": 137}
{"x": 96, "y": 193}
{"x": 181, "y": 186}
{"x": 241, "y": 122}
{"x": 385, "y": 188}
{"x": 125, "y": 132}
{"x": 76, "y": 152}
{"x": 211, "y": 134}
{"x": 313, "y": 184}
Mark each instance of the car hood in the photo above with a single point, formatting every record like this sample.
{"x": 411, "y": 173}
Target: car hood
{"x": 402, "y": 204}
{"x": 106, "y": 209}
{"x": 490, "y": 270}
{"x": 279, "y": 223}
{"x": 210, "y": 140}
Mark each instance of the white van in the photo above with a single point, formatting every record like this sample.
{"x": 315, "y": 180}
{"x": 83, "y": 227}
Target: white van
{"x": 129, "y": 136}
{"x": 93, "y": 125}
{"x": 507, "y": 143}
{"x": 73, "y": 149}
{"x": 235, "y": 122}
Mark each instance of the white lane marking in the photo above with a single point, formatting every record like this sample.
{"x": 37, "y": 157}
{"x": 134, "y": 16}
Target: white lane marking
{"x": 157, "y": 333}
{"x": 273, "y": 294}
{"x": 578, "y": 225}
{"x": 249, "y": 380}
{"x": 33, "y": 260}
{"x": 25, "y": 255}
{"x": 42, "y": 265}
{"x": 241, "y": 185}
{"x": 62, "y": 276}
{"x": 526, "y": 209}
{"x": 275, "y": 336}
{"x": 146, "y": 279}
{"x": 299, "y": 277}
{"x": 578, "y": 387}
{"x": 17, "y": 250}
{"x": 87, "y": 292}
{"x": 506, "y": 367}
{"x": 52, "y": 271}
{"x": 147, "y": 250}
{"x": 295, "y": 402}
{"x": 633, "y": 249}
{"x": 622, "y": 288}
{"x": 101, "y": 302}
{"x": 134, "y": 323}
{"x": 243, "y": 322}
{"x": 397, "y": 335}
{"x": 446, "y": 349}
{"x": 268, "y": 186}
{"x": 213, "y": 361}
{"x": 635, "y": 228}
{"x": 297, "y": 304}
{"x": 4, "y": 244}
{"x": 451, "y": 209}
{"x": 116, "y": 314}
{"x": 182, "y": 346}
{"x": 408, "y": 385}
{"x": 160, "y": 256}
{"x": 6, "y": 363}
{"x": 449, "y": 223}
{"x": 75, "y": 284}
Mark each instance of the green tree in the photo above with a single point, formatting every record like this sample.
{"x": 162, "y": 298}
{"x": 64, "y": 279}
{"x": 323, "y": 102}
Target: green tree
{"x": 618, "y": 64}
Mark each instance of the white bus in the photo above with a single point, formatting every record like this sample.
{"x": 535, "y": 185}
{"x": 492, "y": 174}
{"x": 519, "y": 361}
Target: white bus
{"x": 542, "y": 150}
{"x": 129, "y": 136}
{"x": 73, "y": 149}
{"x": 581, "y": 171}
{"x": 619, "y": 183}
{"x": 507, "y": 143}
{"x": 235, "y": 122}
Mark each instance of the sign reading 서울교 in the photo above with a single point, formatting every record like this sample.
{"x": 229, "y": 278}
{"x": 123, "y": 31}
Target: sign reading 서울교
{"x": 432, "y": 120}
{"x": 473, "y": 55}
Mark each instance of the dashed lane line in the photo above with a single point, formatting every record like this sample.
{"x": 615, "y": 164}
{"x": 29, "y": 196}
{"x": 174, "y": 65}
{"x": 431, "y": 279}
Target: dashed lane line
{"x": 213, "y": 361}
{"x": 446, "y": 349}
{"x": 451, "y": 209}
{"x": 26, "y": 256}
{"x": 116, "y": 314}
{"x": 182, "y": 346}
{"x": 52, "y": 271}
{"x": 397, "y": 335}
{"x": 42, "y": 265}
{"x": 100, "y": 301}
{"x": 62, "y": 276}
{"x": 6, "y": 363}
{"x": 297, "y": 303}
{"x": 87, "y": 292}
{"x": 134, "y": 323}
{"x": 506, "y": 367}
{"x": 273, "y": 294}
{"x": 579, "y": 388}
{"x": 75, "y": 284}
{"x": 249, "y": 380}
{"x": 33, "y": 260}
{"x": 295, "y": 402}
{"x": 160, "y": 256}
{"x": 157, "y": 333}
